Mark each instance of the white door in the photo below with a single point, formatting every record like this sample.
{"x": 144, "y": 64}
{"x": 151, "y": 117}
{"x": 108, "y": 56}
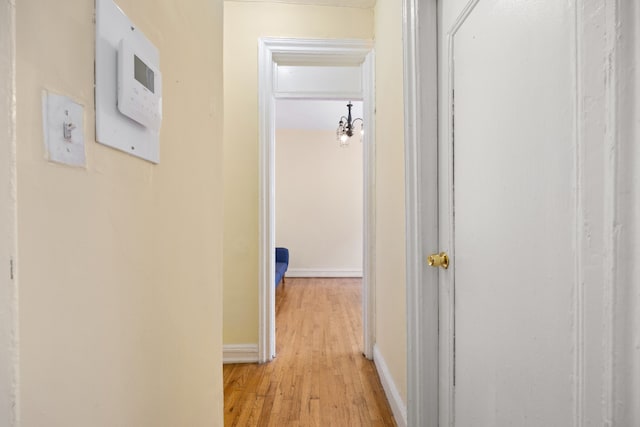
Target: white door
{"x": 507, "y": 183}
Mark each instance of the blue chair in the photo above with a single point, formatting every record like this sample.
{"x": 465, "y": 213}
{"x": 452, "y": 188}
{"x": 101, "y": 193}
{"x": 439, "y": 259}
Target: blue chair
{"x": 282, "y": 264}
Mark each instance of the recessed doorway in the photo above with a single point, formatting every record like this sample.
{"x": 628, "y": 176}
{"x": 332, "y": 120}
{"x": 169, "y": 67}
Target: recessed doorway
{"x": 312, "y": 69}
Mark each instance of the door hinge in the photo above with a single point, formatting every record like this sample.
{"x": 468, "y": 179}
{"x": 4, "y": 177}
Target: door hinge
{"x": 11, "y": 268}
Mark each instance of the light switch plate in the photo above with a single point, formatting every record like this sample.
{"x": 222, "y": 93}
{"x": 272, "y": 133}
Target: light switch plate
{"x": 63, "y": 125}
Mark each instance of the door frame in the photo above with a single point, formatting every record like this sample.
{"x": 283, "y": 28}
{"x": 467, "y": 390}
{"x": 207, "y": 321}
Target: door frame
{"x": 271, "y": 52}
{"x": 9, "y": 384}
{"x": 605, "y": 134}
{"x": 420, "y": 35}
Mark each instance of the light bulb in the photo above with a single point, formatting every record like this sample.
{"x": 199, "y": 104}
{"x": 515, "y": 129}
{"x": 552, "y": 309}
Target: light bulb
{"x": 344, "y": 137}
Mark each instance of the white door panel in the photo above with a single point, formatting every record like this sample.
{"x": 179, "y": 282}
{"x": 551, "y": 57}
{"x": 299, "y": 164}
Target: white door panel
{"x": 507, "y": 197}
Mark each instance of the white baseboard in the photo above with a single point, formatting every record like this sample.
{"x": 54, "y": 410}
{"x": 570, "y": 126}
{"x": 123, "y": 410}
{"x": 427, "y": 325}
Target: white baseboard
{"x": 323, "y": 272}
{"x": 240, "y": 353}
{"x": 398, "y": 407}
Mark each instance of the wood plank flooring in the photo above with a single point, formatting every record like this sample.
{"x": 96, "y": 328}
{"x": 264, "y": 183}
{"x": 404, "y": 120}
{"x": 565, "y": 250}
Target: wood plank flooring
{"x": 319, "y": 377}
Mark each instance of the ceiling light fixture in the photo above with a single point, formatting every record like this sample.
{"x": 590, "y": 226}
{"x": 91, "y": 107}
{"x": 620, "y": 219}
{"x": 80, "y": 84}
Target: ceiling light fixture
{"x": 346, "y": 127}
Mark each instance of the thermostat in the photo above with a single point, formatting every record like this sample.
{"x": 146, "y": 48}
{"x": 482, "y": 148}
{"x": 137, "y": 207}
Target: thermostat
{"x": 128, "y": 85}
{"x": 139, "y": 85}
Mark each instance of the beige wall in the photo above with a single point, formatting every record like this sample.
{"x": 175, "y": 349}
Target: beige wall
{"x": 8, "y": 285}
{"x": 319, "y": 201}
{"x": 391, "y": 335}
{"x": 244, "y": 24}
{"x": 120, "y": 263}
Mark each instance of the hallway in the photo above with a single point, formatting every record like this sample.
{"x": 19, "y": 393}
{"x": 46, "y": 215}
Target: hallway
{"x": 319, "y": 376}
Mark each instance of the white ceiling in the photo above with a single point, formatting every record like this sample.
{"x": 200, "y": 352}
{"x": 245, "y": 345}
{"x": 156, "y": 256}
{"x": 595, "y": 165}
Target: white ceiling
{"x": 313, "y": 114}
{"x": 365, "y": 4}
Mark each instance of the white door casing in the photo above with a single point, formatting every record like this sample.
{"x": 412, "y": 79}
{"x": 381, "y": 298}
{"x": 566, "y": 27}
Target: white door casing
{"x": 9, "y": 402}
{"x": 597, "y": 321}
{"x": 421, "y": 195}
{"x": 625, "y": 237}
{"x": 311, "y": 52}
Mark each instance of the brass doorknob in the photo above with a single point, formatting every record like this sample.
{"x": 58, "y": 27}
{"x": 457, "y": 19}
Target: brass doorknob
{"x": 439, "y": 260}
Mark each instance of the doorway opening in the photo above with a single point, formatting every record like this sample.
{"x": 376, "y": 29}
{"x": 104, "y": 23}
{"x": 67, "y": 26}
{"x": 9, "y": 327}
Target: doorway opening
{"x": 320, "y": 70}
{"x": 318, "y": 197}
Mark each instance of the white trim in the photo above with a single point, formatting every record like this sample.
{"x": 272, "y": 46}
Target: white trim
{"x": 421, "y": 195}
{"x": 271, "y": 52}
{"x": 599, "y": 35}
{"x": 398, "y": 407}
{"x": 9, "y": 349}
{"x": 323, "y": 272}
{"x": 239, "y": 353}
{"x": 369, "y": 201}
{"x": 626, "y": 280}
{"x": 613, "y": 256}
{"x": 578, "y": 374}
{"x": 266, "y": 233}
{"x": 353, "y": 96}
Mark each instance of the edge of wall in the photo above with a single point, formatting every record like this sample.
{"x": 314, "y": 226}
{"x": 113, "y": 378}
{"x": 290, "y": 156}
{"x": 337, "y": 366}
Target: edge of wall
{"x": 398, "y": 407}
{"x": 9, "y": 290}
{"x": 323, "y": 272}
{"x": 239, "y": 353}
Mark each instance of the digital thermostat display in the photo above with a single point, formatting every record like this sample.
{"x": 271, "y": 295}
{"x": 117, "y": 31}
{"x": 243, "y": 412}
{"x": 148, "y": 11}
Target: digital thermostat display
{"x": 142, "y": 73}
{"x": 139, "y": 85}
{"x": 128, "y": 92}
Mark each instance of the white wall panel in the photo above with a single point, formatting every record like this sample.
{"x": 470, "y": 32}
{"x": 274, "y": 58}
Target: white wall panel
{"x": 323, "y": 81}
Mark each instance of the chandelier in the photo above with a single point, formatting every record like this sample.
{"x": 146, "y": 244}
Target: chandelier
{"x": 346, "y": 127}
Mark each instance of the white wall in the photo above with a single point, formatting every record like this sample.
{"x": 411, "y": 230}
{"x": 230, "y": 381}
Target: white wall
{"x": 319, "y": 202}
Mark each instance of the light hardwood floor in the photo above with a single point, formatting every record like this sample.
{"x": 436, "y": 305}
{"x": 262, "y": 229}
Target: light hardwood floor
{"x": 319, "y": 377}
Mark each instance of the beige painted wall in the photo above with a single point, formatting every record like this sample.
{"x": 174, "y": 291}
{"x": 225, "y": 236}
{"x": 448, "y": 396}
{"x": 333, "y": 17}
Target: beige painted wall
{"x": 8, "y": 284}
{"x": 391, "y": 331}
{"x": 244, "y": 24}
{"x": 319, "y": 201}
{"x": 120, "y": 263}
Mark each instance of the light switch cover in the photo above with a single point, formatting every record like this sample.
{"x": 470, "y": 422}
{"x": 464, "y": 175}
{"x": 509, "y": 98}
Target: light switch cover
{"x": 63, "y": 125}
